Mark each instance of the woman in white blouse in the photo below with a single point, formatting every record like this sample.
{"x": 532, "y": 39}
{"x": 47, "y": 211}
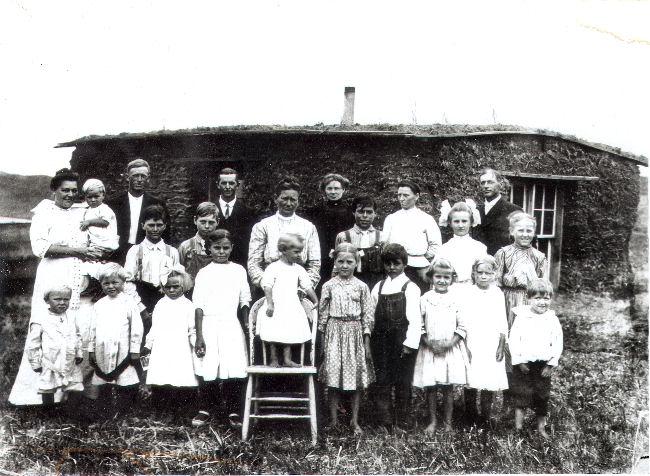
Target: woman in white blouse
{"x": 57, "y": 239}
{"x": 415, "y": 230}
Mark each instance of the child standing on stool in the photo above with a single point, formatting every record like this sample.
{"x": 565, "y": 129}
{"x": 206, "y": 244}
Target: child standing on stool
{"x": 115, "y": 339}
{"x": 192, "y": 253}
{"x": 367, "y": 239}
{"x": 536, "y": 347}
{"x": 170, "y": 341}
{"x": 99, "y": 219}
{"x": 221, "y": 289}
{"x": 346, "y": 318}
{"x": 442, "y": 360}
{"x": 54, "y": 348}
{"x": 485, "y": 318}
{"x": 283, "y": 320}
{"x": 145, "y": 261}
{"x": 395, "y": 339}
{"x": 461, "y": 250}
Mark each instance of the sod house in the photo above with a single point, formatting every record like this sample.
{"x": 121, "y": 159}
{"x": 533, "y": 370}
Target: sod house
{"x": 584, "y": 195}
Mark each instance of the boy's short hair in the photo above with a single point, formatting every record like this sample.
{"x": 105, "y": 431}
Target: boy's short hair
{"x": 287, "y": 183}
{"x": 287, "y": 240}
{"x": 215, "y": 236}
{"x": 63, "y": 175}
{"x": 139, "y": 162}
{"x": 228, "y": 171}
{"x": 154, "y": 212}
{"x": 345, "y": 183}
{"x": 394, "y": 252}
{"x": 444, "y": 264}
{"x": 56, "y": 289}
{"x": 364, "y": 201}
{"x": 415, "y": 188}
{"x": 206, "y": 209}
{"x": 112, "y": 269}
{"x": 539, "y": 286}
{"x": 93, "y": 184}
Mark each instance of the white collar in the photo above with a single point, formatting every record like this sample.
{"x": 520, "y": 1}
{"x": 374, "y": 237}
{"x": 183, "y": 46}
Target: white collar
{"x": 493, "y": 202}
{"x": 283, "y": 218}
{"x": 134, "y": 198}
{"x": 154, "y": 246}
{"x": 357, "y": 229}
{"x": 231, "y": 203}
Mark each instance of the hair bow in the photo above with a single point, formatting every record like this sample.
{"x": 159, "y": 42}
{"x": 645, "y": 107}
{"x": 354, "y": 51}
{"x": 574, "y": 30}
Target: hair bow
{"x": 167, "y": 269}
{"x": 445, "y": 208}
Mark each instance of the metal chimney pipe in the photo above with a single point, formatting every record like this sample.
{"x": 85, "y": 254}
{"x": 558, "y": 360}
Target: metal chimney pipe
{"x": 348, "y": 107}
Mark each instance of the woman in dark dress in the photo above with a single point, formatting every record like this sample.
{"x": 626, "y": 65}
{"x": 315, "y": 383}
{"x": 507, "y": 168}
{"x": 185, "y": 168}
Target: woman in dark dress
{"x": 331, "y": 216}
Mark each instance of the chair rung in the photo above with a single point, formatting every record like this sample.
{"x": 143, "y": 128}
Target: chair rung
{"x": 264, "y": 369}
{"x": 282, "y": 407}
{"x": 280, "y": 399}
{"x": 280, "y": 416}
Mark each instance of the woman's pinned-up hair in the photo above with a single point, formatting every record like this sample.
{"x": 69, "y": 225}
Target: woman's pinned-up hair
{"x": 345, "y": 183}
{"x": 287, "y": 183}
{"x": 63, "y": 175}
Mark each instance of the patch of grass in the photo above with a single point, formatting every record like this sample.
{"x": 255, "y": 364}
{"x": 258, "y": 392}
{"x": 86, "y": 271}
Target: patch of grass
{"x": 598, "y": 391}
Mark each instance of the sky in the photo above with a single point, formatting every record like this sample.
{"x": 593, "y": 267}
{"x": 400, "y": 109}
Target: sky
{"x": 77, "y": 68}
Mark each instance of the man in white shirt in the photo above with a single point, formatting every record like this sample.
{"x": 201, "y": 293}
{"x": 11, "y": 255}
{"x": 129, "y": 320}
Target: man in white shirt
{"x": 494, "y": 229}
{"x": 263, "y": 248}
{"x": 128, "y": 207}
{"x": 415, "y": 230}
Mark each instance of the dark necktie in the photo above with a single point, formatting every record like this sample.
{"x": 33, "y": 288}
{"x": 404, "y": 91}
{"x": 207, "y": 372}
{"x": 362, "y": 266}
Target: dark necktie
{"x": 227, "y": 214}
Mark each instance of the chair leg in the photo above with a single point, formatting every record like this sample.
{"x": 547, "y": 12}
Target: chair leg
{"x": 256, "y": 393}
{"x": 312, "y": 411}
{"x": 247, "y": 408}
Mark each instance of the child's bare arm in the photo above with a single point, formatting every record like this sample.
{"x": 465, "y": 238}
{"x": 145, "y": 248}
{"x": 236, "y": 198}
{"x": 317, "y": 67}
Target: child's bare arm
{"x": 312, "y": 296}
{"x": 99, "y": 222}
{"x": 500, "y": 347}
{"x": 268, "y": 294}
{"x": 199, "y": 347}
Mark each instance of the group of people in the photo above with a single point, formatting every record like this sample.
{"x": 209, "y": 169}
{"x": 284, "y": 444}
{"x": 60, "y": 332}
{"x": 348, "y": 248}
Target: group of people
{"x": 394, "y": 308}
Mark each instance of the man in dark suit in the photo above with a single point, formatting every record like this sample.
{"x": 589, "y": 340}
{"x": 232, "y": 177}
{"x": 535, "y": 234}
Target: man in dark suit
{"x": 128, "y": 207}
{"x": 494, "y": 230}
{"x": 234, "y": 215}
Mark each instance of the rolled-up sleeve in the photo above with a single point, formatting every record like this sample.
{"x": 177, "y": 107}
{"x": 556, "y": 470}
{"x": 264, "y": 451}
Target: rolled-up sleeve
{"x": 39, "y": 235}
{"x": 256, "y": 253}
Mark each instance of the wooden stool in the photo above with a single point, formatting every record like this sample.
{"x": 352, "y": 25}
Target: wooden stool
{"x": 280, "y": 405}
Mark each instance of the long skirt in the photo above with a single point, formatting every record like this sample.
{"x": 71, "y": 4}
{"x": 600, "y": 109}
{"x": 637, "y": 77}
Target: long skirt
{"x": 345, "y": 365}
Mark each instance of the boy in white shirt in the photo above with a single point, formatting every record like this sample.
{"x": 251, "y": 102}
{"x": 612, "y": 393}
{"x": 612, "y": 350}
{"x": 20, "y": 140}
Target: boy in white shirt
{"x": 536, "y": 346}
{"x": 146, "y": 260}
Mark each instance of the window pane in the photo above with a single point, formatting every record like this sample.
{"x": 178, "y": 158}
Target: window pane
{"x": 538, "y": 216}
{"x": 549, "y": 202}
{"x": 518, "y": 195}
{"x": 547, "y": 226}
{"x": 539, "y": 193}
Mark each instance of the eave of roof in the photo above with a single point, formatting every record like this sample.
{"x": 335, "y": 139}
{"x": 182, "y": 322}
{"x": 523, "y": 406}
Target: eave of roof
{"x": 434, "y": 131}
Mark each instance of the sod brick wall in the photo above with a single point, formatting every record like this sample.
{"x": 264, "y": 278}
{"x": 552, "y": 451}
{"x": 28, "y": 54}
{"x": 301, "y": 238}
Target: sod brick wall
{"x": 598, "y": 220}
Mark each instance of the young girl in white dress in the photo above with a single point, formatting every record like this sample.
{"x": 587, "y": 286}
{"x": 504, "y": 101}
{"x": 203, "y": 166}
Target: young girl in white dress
{"x": 461, "y": 250}
{"x": 115, "y": 338}
{"x": 283, "y": 319}
{"x": 442, "y": 360}
{"x": 345, "y": 322}
{"x": 54, "y": 349}
{"x": 487, "y": 328}
{"x": 222, "y": 301}
{"x": 170, "y": 341}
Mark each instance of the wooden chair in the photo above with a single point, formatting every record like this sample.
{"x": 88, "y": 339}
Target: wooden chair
{"x": 267, "y": 405}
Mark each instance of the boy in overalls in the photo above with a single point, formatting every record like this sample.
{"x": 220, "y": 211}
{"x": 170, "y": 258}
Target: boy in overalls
{"x": 396, "y": 337}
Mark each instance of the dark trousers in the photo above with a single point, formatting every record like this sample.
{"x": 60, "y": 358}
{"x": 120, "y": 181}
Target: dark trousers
{"x": 231, "y": 393}
{"x": 178, "y": 400}
{"x": 115, "y": 399}
{"x": 413, "y": 275}
{"x": 531, "y": 390}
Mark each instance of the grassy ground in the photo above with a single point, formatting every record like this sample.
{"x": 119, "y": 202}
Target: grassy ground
{"x": 599, "y": 390}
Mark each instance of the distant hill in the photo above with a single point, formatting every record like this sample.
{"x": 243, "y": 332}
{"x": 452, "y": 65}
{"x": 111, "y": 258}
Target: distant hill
{"x": 20, "y": 193}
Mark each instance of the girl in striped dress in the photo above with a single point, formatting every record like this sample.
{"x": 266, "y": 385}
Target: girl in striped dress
{"x": 346, "y": 319}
